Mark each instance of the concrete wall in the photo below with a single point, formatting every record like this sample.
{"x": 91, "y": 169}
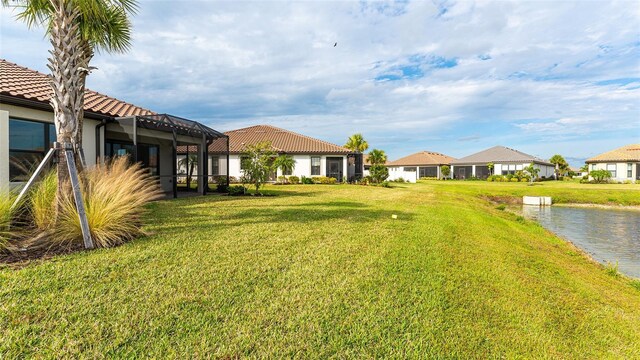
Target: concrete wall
{"x": 621, "y": 170}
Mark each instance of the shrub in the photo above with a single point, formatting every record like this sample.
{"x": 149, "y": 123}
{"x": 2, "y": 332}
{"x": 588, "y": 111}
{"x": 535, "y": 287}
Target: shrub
{"x": 294, "y": 179}
{"x": 115, "y": 195}
{"x": 306, "y": 180}
{"x": 282, "y": 179}
{"x": 399, "y": 180}
{"x": 222, "y": 188}
{"x": 501, "y": 207}
{"x": 233, "y": 180}
{"x": 324, "y": 180}
{"x": 42, "y": 200}
{"x": 379, "y": 173}
{"x": 219, "y": 179}
{"x": 429, "y": 178}
{"x": 236, "y": 190}
{"x": 600, "y": 176}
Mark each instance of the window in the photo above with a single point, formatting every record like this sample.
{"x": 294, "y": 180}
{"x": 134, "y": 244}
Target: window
{"x": 148, "y": 155}
{"x": 611, "y": 168}
{"x": 593, "y": 167}
{"x": 508, "y": 169}
{"x": 28, "y": 143}
{"x": 215, "y": 165}
{"x": 410, "y": 169}
{"x": 429, "y": 171}
{"x": 287, "y": 172}
{"x": 315, "y": 165}
{"x": 629, "y": 170}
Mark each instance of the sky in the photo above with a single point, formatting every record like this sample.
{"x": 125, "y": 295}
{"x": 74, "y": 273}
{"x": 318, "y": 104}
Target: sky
{"x": 455, "y": 77}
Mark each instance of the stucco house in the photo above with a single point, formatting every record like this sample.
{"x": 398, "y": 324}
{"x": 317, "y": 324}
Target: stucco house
{"x": 418, "y": 165}
{"x": 505, "y": 161}
{"x": 111, "y": 127}
{"x": 313, "y": 157}
{"x": 623, "y": 163}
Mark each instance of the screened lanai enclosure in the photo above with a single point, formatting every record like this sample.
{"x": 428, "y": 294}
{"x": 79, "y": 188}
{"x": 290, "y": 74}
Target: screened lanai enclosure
{"x": 154, "y": 141}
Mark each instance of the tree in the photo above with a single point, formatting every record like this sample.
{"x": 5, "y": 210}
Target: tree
{"x": 76, "y": 28}
{"x": 533, "y": 171}
{"x": 446, "y": 171}
{"x": 257, "y": 164}
{"x": 378, "y": 169}
{"x": 189, "y": 162}
{"x": 490, "y": 166}
{"x": 562, "y": 167}
{"x": 357, "y": 143}
{"x": 285, "y": 163}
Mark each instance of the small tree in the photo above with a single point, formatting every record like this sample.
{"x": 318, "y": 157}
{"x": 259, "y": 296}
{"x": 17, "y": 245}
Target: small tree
{"x": 562, "y": 167}
{"x": 189, "y": 163}
{"x": 446, "y": 171}
{"x": 285, "y": 163}
{"x": 257, "y": 164}
{"x": 533, "y": 171}
{"x": 600, "y": 176}
{"x": 490, "y": 166}
{"x": 378, "y": 169}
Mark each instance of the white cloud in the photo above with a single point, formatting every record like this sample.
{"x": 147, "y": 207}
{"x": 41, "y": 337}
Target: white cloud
{"x": 524, "y": 69}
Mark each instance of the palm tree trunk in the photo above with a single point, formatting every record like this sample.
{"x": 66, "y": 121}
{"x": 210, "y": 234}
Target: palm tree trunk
{"x": 65, "y": 62}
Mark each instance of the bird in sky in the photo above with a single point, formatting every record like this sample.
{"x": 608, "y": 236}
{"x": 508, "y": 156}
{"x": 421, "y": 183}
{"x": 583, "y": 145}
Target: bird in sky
{"x": 336, "y": 44}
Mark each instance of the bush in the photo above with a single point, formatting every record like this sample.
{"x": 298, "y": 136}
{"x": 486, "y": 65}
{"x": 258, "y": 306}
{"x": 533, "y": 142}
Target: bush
{"x": 218, "y": 179}
{"x": 400, "y": 180}
{"x": 115, "y": 196}
{"x": 294, "y": 179}
{"x": 282, "y": 179}
{"x": 222, "y": 188}
{"x": 236, "y": 190}
{"x": 600, "y": 176}
{"x": 324, "y": 180}
{"x": 379, "y": 173}
{"x": 428, "y": 178}
{"x": 306, "y": 180}
{"x": 233, "y": 180}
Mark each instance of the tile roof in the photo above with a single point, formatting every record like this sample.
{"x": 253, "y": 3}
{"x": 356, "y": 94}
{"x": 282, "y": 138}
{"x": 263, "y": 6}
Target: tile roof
{"x": 626, "y": 153}
{"x": 498, "y": 154}
{"x": 282, "y": 141}
{"x": 422, "y": 158}
{"x": 24, "y": 83}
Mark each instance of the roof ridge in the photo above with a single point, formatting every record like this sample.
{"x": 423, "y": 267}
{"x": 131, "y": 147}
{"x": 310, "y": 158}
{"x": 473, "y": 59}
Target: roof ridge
{"x": 292, "y": 133}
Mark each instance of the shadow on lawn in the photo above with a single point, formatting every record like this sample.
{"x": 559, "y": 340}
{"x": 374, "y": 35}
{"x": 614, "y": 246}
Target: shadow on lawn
{"x": 296, "y": 214}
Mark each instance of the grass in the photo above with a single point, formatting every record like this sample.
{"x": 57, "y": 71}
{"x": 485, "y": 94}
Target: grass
{"x": 560, "y": 191}
{"x": 325, "y": 271}
{"x": 6, "y": 214}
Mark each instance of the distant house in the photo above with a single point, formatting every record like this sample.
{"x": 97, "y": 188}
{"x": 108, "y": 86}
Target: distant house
{"x": 418, "y": 165}
{"x": 623, "y": 163}
{"x": 313, "y": 157}
{"x": 505, "y": 161}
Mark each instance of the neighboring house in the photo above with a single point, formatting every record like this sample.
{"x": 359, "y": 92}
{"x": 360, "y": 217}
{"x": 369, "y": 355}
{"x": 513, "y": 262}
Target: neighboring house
{"x": 111, "y": 128}
{"x": 577, "y": 171}
{"x": 505, "y": 161}
{"x": 623, "y": 163}
{"x": 418, "y": 165}
{"x": 312, "y": 157}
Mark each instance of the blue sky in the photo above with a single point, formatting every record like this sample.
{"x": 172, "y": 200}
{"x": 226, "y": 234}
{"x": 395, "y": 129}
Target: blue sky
{"x": 453, "y": 77}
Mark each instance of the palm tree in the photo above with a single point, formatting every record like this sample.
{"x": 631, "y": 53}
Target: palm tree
{"x": 75, "y": 28}
{"x": 284, "y": 162}
{"x": 357, "y": 143}
{"x": 377, "y": 157}
{"x": 189, "y": 163}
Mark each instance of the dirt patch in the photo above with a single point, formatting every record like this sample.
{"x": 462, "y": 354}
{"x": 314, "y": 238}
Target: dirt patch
{"x": 21, "y": 257}
{"x": 503, "y": 199}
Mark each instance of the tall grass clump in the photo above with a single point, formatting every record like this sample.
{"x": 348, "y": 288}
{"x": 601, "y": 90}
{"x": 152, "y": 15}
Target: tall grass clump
{"x": 42, "y": 201}
{"x": 115, "y": 195}
{"x": 6, "y": 215}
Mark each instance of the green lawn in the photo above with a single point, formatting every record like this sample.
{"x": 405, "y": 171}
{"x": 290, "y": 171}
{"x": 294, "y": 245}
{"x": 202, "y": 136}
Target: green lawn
{"x": 324, "y": 271}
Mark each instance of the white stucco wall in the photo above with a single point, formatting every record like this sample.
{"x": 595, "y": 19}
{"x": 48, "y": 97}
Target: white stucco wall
{"x": 621, "y": 170}
{"x": 4, "y": 149}
{"x": 302, "y": 166}
{"x": 545, "y": 170}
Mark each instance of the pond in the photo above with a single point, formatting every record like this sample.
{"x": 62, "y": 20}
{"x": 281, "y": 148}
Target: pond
{"x": 608, "y": 235}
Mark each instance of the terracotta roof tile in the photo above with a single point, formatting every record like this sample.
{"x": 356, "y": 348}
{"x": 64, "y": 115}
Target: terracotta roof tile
{"x": 24, "y": 83}
{"x": 422, "y": 158}
{"x": 626, "y": 153}
{"x": 283, "y": 141}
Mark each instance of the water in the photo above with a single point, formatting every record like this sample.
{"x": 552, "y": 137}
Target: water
{"x": 608, "y": 235}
